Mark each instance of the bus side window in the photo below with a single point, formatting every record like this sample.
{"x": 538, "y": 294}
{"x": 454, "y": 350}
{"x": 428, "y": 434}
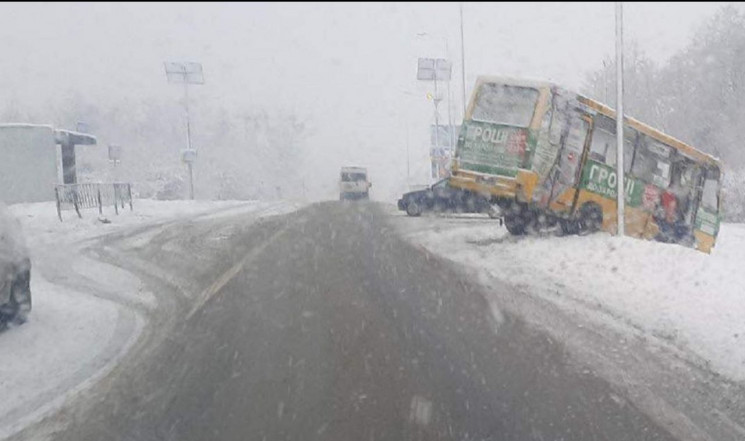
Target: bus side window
{"x": 629, "y": 141}
{"x": 600, "y": 144}
{"x": 710, "y": 199}
{"x": 652, "y": 162}
{"x": 603, "y": 144}
{"x": 602, "y": 137}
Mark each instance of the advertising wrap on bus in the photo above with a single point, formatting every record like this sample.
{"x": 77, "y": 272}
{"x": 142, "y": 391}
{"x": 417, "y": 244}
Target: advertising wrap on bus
{"x": 494, "y": 149}
{"x": 601, "y": 179}
{"x": 707, "y": 222}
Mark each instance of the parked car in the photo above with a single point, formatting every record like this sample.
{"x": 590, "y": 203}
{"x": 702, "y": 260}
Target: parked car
{"x": 15, "y": 271}
{"x": 441, "y": 197}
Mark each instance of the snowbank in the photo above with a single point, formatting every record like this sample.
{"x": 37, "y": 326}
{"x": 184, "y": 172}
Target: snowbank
{"x": 70, "y": 339}
{"x": 40, "y": 219}
{"x": 693, "y": 300}
{"x": 73, "y": 338}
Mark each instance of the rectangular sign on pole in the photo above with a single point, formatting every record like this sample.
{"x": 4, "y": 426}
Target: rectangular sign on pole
{"x": 430, "y": 68}
{"x": 186, "y": 72}
{"x": 115, "y": 152}
{"x": 188, "y": 155}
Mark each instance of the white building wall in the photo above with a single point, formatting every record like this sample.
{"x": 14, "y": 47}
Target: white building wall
{"x": 28, "y": 163}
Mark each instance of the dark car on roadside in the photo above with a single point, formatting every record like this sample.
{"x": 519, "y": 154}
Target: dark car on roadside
{"x": 15, "y": 271}
{"x": 443, "y": 198}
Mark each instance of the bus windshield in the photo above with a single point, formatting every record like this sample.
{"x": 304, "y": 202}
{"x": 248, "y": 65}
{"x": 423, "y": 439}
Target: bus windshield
{"x": 352, "y": 177}
{"x": 508, "y": 105}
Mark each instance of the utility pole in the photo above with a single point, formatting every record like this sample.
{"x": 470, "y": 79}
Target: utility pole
{"x": 436, "y": 100}
{"x": 188, "y": 140}
{"x": 449, "y": 103}
{"x": 462, "y": 60}
{"x": 432, "y": 69}
{"x": 408, "y": 167}
{"x": 619, "y": 118}
{"x": 605, "y": 84}
{"x": 186, "y": 73}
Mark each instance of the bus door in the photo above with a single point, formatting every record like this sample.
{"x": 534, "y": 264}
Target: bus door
{"x": 686, "y": 184}
{"x": 691, "y": 178}
{"x": 566, "y": 170}
{"x": 707, "y": 220}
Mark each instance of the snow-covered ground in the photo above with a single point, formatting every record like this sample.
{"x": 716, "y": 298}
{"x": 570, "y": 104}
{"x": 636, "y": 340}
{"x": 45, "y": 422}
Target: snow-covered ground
{"x": 86, "y": 313}
{"x": 43, "y": 225}
{"x": 689, "y": 299}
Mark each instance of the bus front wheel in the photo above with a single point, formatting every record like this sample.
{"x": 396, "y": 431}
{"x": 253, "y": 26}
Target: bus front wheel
{"x": 515, "y": 224}
{"x": 516, "y": 219}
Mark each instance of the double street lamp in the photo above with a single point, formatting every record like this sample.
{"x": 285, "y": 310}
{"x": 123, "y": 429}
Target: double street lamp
{"x": 186, "y": 73}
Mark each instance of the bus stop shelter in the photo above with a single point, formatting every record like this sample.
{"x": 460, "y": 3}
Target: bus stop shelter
{"x": 31, "y": 164}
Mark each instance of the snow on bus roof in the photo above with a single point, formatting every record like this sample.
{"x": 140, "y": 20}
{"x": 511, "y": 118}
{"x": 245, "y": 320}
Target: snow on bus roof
{"x": 653, "y": 132}
{"x": 634, "y": 123}
{"x": 525, "y": 82}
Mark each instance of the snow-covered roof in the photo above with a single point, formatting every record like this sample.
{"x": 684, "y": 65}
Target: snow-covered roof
{"x": 60, "y": 135}
{"x": 74, "y": 137}
{"x": 24, "y": 125}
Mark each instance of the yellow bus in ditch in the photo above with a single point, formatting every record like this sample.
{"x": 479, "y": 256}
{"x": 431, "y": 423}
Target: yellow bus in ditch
{"x": 547, "y": 157}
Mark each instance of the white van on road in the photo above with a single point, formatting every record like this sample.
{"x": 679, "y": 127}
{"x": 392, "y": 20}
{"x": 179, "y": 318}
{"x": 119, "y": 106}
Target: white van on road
{"x": 354, "y": 184}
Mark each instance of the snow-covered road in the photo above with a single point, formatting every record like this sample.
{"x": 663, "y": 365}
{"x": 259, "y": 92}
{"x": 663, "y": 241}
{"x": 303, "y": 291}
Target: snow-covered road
{"x": 662, "y": 322}
{"x": 86, "y": 313}
{"x": 690, "y": 299}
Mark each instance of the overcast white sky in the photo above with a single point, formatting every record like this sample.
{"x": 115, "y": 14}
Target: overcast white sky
{"x": 349, "y": 67}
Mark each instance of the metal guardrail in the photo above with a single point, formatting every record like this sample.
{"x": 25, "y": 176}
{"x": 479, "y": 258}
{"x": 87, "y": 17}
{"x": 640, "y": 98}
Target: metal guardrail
{"x": 92, "y": 195}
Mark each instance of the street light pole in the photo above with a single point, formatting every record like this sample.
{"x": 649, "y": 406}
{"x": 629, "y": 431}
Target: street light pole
{"x": 619, "y": 118}
{"x": 186, "y": 73}
{"x": 605, "y": 84}
{"x": 436, "y": 101}
{"x": 188, "y": 139}
{"x": 449, "y": 102}
{"x": 408, "y": 150}
{"x": 462, "y": 60}
{"x": 408, "y": 167}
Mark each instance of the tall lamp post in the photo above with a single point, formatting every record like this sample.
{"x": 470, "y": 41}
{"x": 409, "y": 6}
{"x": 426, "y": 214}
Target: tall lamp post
{"x": 462, "y": 60}
{"x": 619, "y": 118}
{"x": 434, "y": 69}
{"x": 186, "y": 73}
{"x": 408, "y": 155}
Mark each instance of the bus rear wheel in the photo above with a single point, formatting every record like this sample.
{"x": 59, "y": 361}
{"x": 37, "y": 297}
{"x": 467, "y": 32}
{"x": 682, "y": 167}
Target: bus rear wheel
{"x": 590, "y": 218}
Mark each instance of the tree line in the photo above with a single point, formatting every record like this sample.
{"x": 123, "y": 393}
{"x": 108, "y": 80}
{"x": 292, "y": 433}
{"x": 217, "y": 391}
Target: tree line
{"x": 696, "y": 96}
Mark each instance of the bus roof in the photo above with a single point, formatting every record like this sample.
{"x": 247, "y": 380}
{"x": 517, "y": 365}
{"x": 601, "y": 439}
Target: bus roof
{"x": 687, "y": 149}
{"x": 523, "y": 82}
{"x": 354, "y": 169}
